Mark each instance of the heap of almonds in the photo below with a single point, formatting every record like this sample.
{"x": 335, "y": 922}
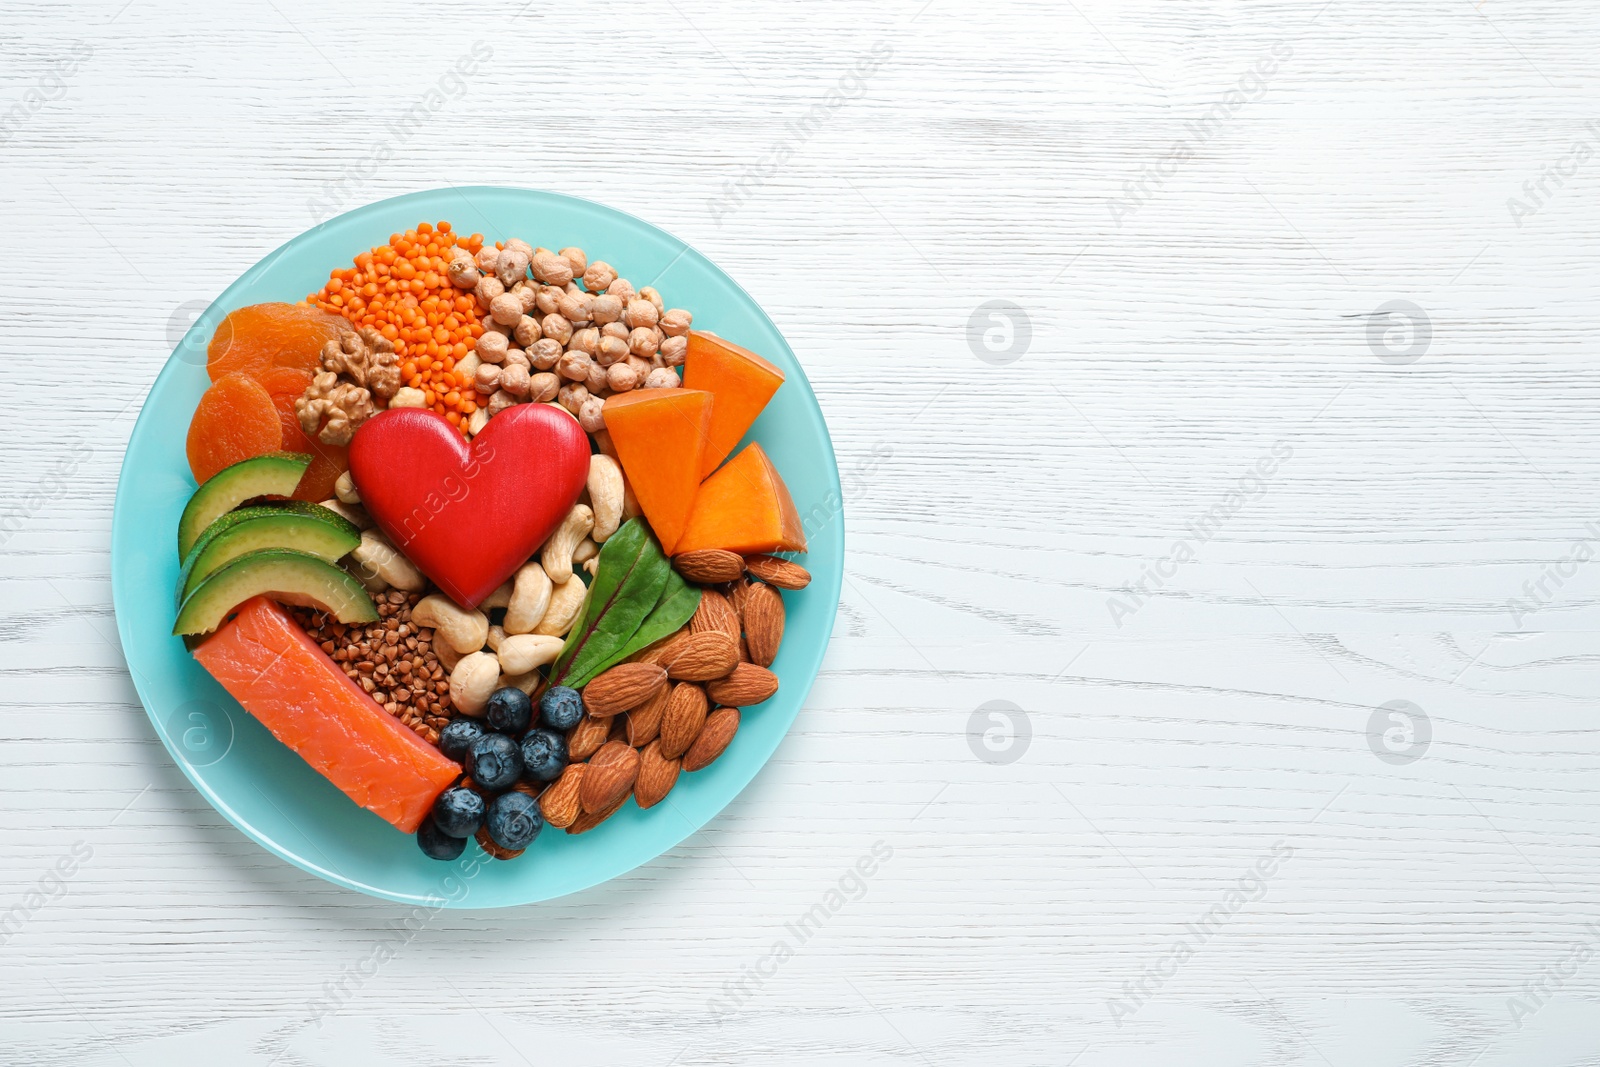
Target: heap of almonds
{"x": 392, "y": 659}
{"x": 675, "y": 706}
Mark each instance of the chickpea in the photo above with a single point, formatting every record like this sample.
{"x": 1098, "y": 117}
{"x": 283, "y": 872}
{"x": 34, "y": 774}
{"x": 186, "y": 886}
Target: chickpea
{"x": 492, "y": 347}
{"x": 576, "y": 307}
{"x": 674, "y": 350}
{"x": 572, "y": 396}
{"x": 576, "y": 259}
{"x": 675, "y": 323}
{"x": 621, "y": 377}
{"x": 515, "y": 380}
{"x": 542, "y": 387}
{"x": 649, "y": 293}
{"x": 544, "y": 353}
{"x": 487, "y": 289}
{"x": 590, "y": 415}
{"x": 574, "y": 366}
{"x": 556, "y": 328}
{"x": 585, "y": 340}
{"x": 604, "y": 309}
{"x": 610, "y": 350}
{"x": 597, "y": 380}
{"x": 598, "y": 275}
{"x": 548, "y": 299}
{"x": 551, "y": 268}
{"x": 488, "y": 259}
{"x": 527, "y": 331}
{"x": 487, "y": 378}
{"x": 639, "y": 312}
{"x": 506, "y": 309}
{"x": 662, "y": 379}
{"x": 643, "y": 341}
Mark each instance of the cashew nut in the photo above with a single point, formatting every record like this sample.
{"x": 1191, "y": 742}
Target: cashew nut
{"x": 497, "y": 634}
{"x": 630, "y": 503}
{"x": 500, "y": 598}
{"x": 530, "y": 597}
{"x": 345, "y": 489}
{"x": 350, "y": 512}
{"x": 521, "y": 653}
{"x": 605, "y": 495}
{"x": 477, "y": 422}
{"x": 557, "y": 554}
{"x": 472, "y": 679}
{"x": 528, "y": 683}
{"x": 464, "y": 631}
{"x": 379, "y": 559}
{"x": 592, "y": 566}
{"x": 566, "y": 600}
{"x": 448, "y": 657}
{"x": 585, "y": 551}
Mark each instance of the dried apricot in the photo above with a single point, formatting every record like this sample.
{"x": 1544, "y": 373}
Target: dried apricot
{"x": 327, "y": 463}
{"x": 252, "y": 340}
{"x": 234, "y": 421}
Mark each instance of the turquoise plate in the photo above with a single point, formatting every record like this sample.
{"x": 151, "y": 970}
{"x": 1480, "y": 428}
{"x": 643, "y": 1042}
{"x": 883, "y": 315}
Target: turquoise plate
{"x": 265, "y": 789}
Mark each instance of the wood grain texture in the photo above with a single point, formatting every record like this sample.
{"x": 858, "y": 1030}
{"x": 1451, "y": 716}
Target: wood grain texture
{"x": 1199, "y": 275}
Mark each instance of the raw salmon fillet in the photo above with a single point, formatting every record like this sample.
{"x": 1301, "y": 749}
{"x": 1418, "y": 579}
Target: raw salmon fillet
{"x": 282, "y": 678}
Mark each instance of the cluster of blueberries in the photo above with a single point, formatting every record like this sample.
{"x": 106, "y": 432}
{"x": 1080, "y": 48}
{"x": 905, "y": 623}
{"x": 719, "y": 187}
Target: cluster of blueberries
{"x": 495, "y": 759}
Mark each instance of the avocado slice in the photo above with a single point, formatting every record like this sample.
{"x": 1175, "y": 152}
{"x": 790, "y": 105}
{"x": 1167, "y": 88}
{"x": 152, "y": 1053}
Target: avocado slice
{"x": 274, "y": 474}
{"x": 287, "y": 576}
{"x": 291, "y": 524}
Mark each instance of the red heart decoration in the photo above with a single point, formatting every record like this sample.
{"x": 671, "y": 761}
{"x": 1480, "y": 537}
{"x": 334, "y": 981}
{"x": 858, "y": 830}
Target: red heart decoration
{"x": 469, "y": 515}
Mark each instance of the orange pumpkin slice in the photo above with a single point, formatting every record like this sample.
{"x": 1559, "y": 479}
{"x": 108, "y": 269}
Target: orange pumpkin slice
{"x": 660, "y": 438}
{"x": 744, "y": 508}
{"x": 741, "y": 381}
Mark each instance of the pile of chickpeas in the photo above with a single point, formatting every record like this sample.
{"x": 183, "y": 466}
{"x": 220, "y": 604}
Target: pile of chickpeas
{"x": 559, "y": 328}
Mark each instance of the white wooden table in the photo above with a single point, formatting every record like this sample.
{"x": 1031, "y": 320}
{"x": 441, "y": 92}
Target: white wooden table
{"x": 1334, "y": 258}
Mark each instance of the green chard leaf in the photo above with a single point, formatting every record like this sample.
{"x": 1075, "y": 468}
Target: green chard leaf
{"x": 628, "y": 581}
{"x": 677, "y": 605}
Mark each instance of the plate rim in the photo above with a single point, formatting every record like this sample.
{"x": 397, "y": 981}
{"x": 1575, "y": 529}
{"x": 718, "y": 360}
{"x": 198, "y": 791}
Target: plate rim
{"x": 170, "y": 368}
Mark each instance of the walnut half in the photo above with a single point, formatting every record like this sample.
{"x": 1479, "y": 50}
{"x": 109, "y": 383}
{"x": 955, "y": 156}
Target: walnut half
{"x": 360, "y": 372}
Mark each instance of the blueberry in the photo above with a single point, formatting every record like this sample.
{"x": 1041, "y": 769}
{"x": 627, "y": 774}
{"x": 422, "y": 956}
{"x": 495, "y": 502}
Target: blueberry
{"x": 458, "y": 812}
{"x": 436, "y": 844}
{"x": 560, "y": 708}
{"x": 509, "y": 710}
{"x": 544, "y": 754}
{"x": 456, "y": 738}
{"x": 494, "y": 762}
{"x": 514, "y": 820}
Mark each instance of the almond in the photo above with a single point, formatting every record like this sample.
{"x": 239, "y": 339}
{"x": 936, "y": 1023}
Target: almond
{"x": 609, "y": 777}
{"x": 587, "y": 737}
{"x": 619, "y": 727}
{"x": 748, "y": 684}
{"x": 657, "y": 776}
{"x": 736, "y": 594}
{"x": 559, "y": 804}
{"x": 709, "y": 565}
{"x": 779, "y": 572}
{"x": 706, "y": 655}
{"x": 627, "y": 685}
{"x": 589, "y": 820}
{"x": 714, "y": 613}
{"x": 486, "y": 843}
{"x": 719, "y": 729}
{"x": 763, "y": 624}
{"x": 644, "y": 721}
{"x": 681, "y": 722}
{"x": 662, "y": 648}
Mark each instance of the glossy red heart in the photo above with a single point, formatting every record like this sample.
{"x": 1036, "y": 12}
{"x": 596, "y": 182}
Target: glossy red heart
{"x": 469, "y": 515}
